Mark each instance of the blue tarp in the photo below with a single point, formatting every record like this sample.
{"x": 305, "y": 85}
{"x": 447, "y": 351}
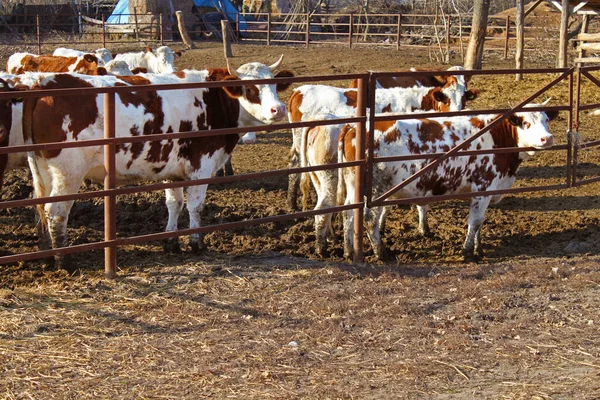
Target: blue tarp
{"x": 121, "y": 11}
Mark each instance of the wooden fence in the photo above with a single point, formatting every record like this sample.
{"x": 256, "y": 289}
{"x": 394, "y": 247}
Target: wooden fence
{"x": 445, "y": 32}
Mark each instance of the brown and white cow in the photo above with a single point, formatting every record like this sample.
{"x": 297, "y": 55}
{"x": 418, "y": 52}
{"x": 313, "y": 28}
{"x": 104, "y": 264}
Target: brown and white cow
{"x": 73, "y": 118}
{"x": 454, "y": 175}
{"x": 309, "y": 100}
{"x": 20, "y": 63}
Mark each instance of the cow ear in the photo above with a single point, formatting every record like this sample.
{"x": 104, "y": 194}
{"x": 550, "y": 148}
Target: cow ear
{"x": 233, "y": 91}
{"x": 472, "y": 94}
{"x": 178, "y": 53}
{"x": 515, "y": 120}
{"x": 552, "y": 115}
{"x": 284, "y": 74}
{"x": 101, "y": 71}
{"x": 148, "y": 49}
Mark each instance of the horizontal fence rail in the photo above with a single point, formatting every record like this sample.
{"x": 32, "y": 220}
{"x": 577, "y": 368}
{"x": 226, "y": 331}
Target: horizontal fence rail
{"x": 365, "y": 118}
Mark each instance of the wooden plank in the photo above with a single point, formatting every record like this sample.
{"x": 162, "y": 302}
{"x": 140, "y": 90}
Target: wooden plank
{"x": 588, "y": 37}
{"x": 532, "y": 7}
{"x": 589, "y": 46}
{"x": 588, "y": 59}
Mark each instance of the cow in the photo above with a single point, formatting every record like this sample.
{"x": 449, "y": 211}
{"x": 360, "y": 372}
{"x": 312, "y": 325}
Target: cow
{"x": 5, "y": 126}
{"x": 461, "y": 174}
{"x": 309, "y": 100}
{"x": 103, "y": 55}
{"x": 120, "y": 68}
{"x": 78, "y": 117}
{"x": 161, "y": 60}
{"x": 20, "y": 63}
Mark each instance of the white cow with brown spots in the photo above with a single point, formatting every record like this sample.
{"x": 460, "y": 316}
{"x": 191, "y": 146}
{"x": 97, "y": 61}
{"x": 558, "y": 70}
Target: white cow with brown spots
{"x": 453, "y": 175}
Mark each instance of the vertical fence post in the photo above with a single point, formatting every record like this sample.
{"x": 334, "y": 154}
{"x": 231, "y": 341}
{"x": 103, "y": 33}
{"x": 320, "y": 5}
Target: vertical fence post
{"x": 160, "y": 29}
{"x": 269, "y": 29}
{"x": 135, "y": 21}
{"x": 103, "y": 32}
{"x": 399, "y": 36}
{"x": 448, "y": 39}
{"x": 574, "y": 125}
{"x": 358, "y": 230}
{"x": 39, "y": 33}
{"x": 237, "y": 27}
{"x": 307, "y": 30}
{"x": 110, "y": 207}
{"x": 506, "y": 36}
{"x": 350, "y": 29}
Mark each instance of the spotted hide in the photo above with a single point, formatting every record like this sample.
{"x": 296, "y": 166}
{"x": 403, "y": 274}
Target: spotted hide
{"x": 79, "y": 117}
{"x": 20, "y": 63}
{"x": 453, "y": 175}
{"x": 309, "y": 100}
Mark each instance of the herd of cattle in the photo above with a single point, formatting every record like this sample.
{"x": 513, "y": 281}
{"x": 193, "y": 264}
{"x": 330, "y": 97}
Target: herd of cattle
{"x": 49, "y": 119}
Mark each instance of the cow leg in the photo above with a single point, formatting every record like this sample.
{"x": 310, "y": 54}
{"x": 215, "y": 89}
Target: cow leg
{"x": 422, "y": 210}
{"x": 325, "y": 199}
{"x": 196, "y": 200}
{"x": 348, "y": 181}
{"x": 42, "y": 182}
{"x": 374, "y": 221}
{"x": 293, "y": 182}
{"x": 472, "y": 250}
{"x": 174, "y": 201}
{"x": 226, "y": 170}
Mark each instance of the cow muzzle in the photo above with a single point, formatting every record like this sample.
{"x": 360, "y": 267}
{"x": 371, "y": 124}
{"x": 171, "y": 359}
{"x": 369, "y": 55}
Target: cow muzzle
{"x": 278, "y": 112}
{"x": 546, "y": 141}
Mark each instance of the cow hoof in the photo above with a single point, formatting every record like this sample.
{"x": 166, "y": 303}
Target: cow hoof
{"x": 229, "y": 172}
{"x": 220, "y": 173}
{"x": 197, "y": 248}
{"x": 427, "y": 233}
{"x": 471, "y": 257}
{"x": 322, "y": 253}
{"x": 171, "y": 245}
{"x": 65, "y": 261}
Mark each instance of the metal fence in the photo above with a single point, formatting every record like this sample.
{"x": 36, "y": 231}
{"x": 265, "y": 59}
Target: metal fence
{"x": 364, "y": 162}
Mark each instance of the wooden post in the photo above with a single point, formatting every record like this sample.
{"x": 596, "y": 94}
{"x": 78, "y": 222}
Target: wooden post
{"x": 237, "y": 27}
{"x": 350, "y": 29}
{"x": 448, "y": 40}
{"x": 135, "y": 21}
{"x": 307, "y": 39}
{"x": 520, "y": 40}
{"x": 182, "y": 31}
{"x": 39, "y": 33}
{"x": 506, "y": 36}
{"x": 110, "y": 207}
{"x": 160, "y": 28}
{"x": 226, "y": 42}
{"x": 584, "y": 29}
{"x": 399, "y": 31}
{"x": 103, "y": 32}
{"x": 269, "y": 29}
{"x": 561, "y": 62}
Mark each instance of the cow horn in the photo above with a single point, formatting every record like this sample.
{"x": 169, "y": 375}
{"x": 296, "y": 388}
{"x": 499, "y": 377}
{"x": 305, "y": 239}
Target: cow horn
{"x": 547, "y": 101}
{"x": 272, "y": 67}
{"x": 229, "y": 69}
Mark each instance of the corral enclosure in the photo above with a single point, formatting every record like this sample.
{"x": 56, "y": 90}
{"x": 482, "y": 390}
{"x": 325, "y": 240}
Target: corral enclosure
{"x": 257, "y": 316}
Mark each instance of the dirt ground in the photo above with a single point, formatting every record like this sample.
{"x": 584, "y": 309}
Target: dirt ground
{"x": 258, "y": 316}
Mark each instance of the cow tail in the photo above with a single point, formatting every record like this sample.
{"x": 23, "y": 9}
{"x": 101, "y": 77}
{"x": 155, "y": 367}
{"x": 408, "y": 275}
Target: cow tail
{"x": 341, "y": 187}
{"x": 304, "y": 178}
{"x": 38, "y": 183}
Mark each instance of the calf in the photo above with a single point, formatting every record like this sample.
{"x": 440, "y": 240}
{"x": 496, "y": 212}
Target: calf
{"x": 309, "y": 100}
{"x": 103, "y": 55}
{"x": 20, "y": 63}
{"x": 73, "y": 118}
{"x": 161, "y": 60}
{"x": 453, "y": 175}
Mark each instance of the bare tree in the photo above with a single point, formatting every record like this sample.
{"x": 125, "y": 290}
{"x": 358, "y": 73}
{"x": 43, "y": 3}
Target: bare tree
{"x": 474, "y": 57}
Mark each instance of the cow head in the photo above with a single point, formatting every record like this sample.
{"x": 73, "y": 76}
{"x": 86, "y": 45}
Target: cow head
{"x": 531, "y": 128}
{"x": 166, "y": 58}
{"x": 104, "y": 56}
{"x": 455, "y": 87}
{"x": 260, "y": 101}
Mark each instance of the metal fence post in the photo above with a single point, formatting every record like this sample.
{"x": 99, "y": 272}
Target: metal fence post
{"x": 399, "y": 35}
{"x": 110, "y": 207}
{"x": 359, "y": 228}
{"x": 307, "y": 30}
{"x": 506, "y": 36}
{"x": 269, "y": 29}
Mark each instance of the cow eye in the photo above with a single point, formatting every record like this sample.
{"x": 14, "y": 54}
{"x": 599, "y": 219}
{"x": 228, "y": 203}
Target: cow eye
{"x": 251, "y": 91}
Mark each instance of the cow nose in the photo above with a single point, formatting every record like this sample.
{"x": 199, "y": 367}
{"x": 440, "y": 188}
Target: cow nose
{"x": 278, "y": 111}
{"x": 547, "y": 140}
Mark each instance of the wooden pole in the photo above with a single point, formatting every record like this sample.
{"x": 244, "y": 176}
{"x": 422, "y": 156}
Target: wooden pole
{"x": 564, "y": 40}
{"x": 182, "y": 31}
{"x": 135, "y": 20}
{"x": 39, "y": 33}
{"x": 448, "y": 40}
{"x": 226, "y": 42}
{"x": 307, "y": 38}
{"x": 160, "y": 28}
{"x": 350, "y": 29}
{"x": 584, "y": 29}
{"x": 506, "y": 36}
{"x": 103, "y": 32}
{"x": 399, "y": 31}
{"x": 269, "y": 29}
{"x": 520, "y": 40}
